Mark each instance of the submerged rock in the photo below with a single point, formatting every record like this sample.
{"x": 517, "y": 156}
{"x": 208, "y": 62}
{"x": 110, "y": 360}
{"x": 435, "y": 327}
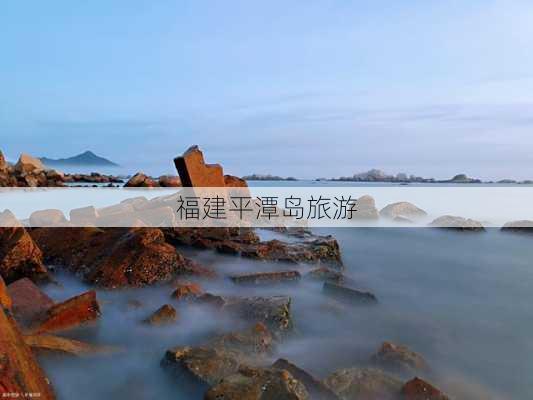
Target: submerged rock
{"x": 317, "y": 389}
{"x": 418, "y": 389}
{"x": 402, "y": 209}
{"x": 349, "y": 295}
{"x": 20, "y": 257}
{"x": 399, "y": 358}
{"x": 364, "y": 383}
{"x": 69, "y": 314}
{"x": 265, "y": 278}
{"x": 458, "y": 223}
{"x": 258, "y": 384}
{"x": 164, "y": 315}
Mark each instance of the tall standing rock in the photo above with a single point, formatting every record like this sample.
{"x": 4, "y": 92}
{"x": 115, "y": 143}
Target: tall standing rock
{"x": 194, "y": 172}
{"x": 19, "y": 256}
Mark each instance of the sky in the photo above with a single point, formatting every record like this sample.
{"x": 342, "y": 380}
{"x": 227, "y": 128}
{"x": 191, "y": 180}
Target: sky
{"x": 302, "y": 88}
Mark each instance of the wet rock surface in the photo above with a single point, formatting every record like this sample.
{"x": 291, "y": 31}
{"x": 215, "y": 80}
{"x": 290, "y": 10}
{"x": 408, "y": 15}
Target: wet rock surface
{"x": 164, "y": 315}
{"x": 399, "y": 358}
{"x": 265, "y": 278}
{"x": 364, "y": 383}
{"x": 349, "y": 295}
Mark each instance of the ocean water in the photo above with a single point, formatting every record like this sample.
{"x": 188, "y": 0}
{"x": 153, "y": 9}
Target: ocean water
{"x": 462, "y": 300}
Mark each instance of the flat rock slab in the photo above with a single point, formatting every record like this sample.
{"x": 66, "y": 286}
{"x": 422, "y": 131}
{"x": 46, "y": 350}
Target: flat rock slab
{"x": 29, "y": 301}
{"x": 265, "y": 278}
{"x": 71, "y": 313}
{"x": 349, "y": 295}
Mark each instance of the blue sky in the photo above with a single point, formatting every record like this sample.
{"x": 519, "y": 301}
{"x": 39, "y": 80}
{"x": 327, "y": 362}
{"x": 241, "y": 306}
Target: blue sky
{"x": 305, "y": 88}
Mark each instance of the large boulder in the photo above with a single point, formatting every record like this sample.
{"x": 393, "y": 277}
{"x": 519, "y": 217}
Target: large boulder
{"x": 399, "y": 358}
{"x": 19, "y": 256}
{"x": 28, "y": 164}
{"x": 233, "y": 181}
{"x": 258, "y": 384}
{"x": 418, "y": 389}
{"x": 402, "y": 209}
{"x": 29, "y": 302}
{"x": 364, "y": 383}
{"x": 457, "y": 223}
{"x": 50, "y": 217}
{"x": 194, "y": 172}
{"x": 365, "y": 208}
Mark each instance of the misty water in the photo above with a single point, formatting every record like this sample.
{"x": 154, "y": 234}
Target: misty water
{"x": 462, "y": 300}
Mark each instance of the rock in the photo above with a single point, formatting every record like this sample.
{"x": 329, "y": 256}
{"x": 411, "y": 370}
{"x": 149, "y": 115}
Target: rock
{"x": 185, "y": 291}
{"x": 258, "y": 384}
{"x": 57, "y": 344}
{"x": 141, "y": 180}
{"x": 418, "y": 389}
{"x": 402, "y": 209}
{"x": 233, "y": 181}
{"x": 265, "y": 278}
{"x": 49, "y": 217}
{"x": 83, "y": 215}
{"x": 8, "y": 220}
{"x": 246, "y": 345}
{"x": 19, "y": 370}
{"x": 194, "y": 172}
{"x": 326, "y": 274}
{"x": 316, "y": 389}
{"x": 3, "y": 163}
{"x": 365, "y": 208}
{"x": 353, "y": 296}
{"x": 164, "y": 315}
{"x": 458, "y": 223}
{"x": 28, "y": 164}
{"x": 169, "y": 181}
{"x": 20, "y": 257}
{"x": 29, "y": 301}
{"x": 69, "y": 314}
{"x": 364, "y": 383}
{"x": 523, "y": 226}
{"x": 398, "y": 358}
{"x": 5, "y": 298}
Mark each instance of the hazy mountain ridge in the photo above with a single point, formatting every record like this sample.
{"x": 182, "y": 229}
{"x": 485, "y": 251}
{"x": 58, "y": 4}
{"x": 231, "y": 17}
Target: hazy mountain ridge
{"x": 86, "y": 158}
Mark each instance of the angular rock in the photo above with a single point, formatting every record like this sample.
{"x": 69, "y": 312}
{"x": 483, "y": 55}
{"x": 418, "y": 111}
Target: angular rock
{"x": 169, "y": 181}
{"x": 20, "y": 257}
{"x": 28, "y": 164}
{"x": 265, "y": 278}
{"x": 349, "y": 295}
{"x": 363, "y": 383}
{"x": 186, "y": 291}
{"x": 49, "y": 217}
{"x": 258, "y": 384}
{"x": 141, "y": 180}
{"x": 399, "y": 358}
{"x": 194, "y": 172}
{"x": 57, "y": 344}
{"x": 69, "y": 314}
{"x": 19, "y": 370}
{"x": 29, "y": 301}
{"x": 457, "y": 223}
{"x": 402, "y": 209}
{"x": 164, "y": 315}
{"x": 316, "y": 389}
{"x": 418, "y": 389}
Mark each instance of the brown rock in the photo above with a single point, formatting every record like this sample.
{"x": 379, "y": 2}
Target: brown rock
{"x": 233, "y": 181}
{"x": 49, "y": 217}
{"x": 399, "y": 358}
{"x": 194, "y": 172}
{"x": 316, "y": 389}
{"x": 5, "y": 299}
{"x": 353, "y": 296}
{"x": 186, "y": 291}
{"x": 169, "y": 181}
{"x": 57, "y": 344}
{"x": 19, "y": 256}
{"x": 29, "y": 301}
{"x": 20, "y": 372}
{"x": 164, "y": 315}
{"x": 363, "y": 383}
{"x": 141, "y": 180}
{"x": 265, "y": 278}
{"x": 3, "y": 163}
{"x": 70, "y": 313}
{"x": 28, "y": 164}
{"x": 258, "y": 384}
{"x": 418, "y": 389}
{"x": 247, "y": 344}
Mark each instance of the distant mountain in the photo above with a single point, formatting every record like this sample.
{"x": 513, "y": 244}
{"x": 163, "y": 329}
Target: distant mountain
{"x": 86, "y": 158}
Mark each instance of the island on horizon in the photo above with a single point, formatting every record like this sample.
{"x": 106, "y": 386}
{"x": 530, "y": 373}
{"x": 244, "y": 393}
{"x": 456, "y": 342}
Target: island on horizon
{"x": 87, "y": 158}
